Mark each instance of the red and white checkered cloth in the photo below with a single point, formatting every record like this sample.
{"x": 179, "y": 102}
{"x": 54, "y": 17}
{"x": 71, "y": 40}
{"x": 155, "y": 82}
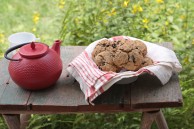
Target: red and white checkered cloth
{"x": 94, "y": 82}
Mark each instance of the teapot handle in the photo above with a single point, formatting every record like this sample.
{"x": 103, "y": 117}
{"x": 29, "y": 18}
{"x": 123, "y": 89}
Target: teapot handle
{"x": 12, "y": 49}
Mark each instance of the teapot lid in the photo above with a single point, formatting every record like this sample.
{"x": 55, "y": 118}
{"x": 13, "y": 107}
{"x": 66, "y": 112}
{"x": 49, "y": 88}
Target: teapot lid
{"x": 33, "y": 50}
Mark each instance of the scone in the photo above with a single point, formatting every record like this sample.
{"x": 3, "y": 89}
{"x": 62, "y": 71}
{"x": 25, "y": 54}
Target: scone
{"x": 120, "y": 58}
{"x": 103, "y": 46}
{"x": 128, "y": 55}
{"x": 146, "y": 61}
{"x": 104, "y": 61}
{"x": 125, "y": 46}
{"x": 134, "y": 61}
{"x": 140, "y": 46}
{"x": 100, "y": 47}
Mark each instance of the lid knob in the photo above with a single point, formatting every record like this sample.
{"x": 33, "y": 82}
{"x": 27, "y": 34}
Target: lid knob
{"x": 32, "y": 45}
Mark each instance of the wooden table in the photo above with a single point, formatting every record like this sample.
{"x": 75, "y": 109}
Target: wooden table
{"x": 145, "y": 95}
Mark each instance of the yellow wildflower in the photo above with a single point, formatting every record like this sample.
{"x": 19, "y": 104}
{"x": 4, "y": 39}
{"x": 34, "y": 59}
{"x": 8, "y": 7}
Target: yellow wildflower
{"x": 112, "y": 12}
{"x": 193, "y": 41}
{"x": 145, "y": 20}
{"x": 34, "y": 29}
{"x": 36, "y": 17}
{"x": 140, "y": 9}
{"x": 166, "y": 23}
{"x": 136, "y": 9}
{"x": 145, "y": 23}
{"x": 61, "y": 4}
{"x": 160, "y": 1}
{"x": 2, "y": 38}
{"x": 126, "y": 2}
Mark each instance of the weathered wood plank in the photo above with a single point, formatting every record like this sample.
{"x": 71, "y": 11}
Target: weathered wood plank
{"x": 4, "y": 74}
{"x": 148, "y": 92}
{"x": 114, "y": 95}
{"x": 127, "y": 97}
{"x": 66, "y": 92}
{"x": 14, "y": 97}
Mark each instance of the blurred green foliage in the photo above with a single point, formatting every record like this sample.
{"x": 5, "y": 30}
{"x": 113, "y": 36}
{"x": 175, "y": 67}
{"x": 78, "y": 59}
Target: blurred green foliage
{"x": 42, "y": 18}
{"x": 150, "y": 20}
{"x": 80, "y": 22}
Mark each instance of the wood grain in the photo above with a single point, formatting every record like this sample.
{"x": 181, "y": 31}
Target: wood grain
{"x": 148, "y": 92}
{"x": 114, "y": 95}
{"x": 4, "y": 74}
{"x": 14, "y": 97}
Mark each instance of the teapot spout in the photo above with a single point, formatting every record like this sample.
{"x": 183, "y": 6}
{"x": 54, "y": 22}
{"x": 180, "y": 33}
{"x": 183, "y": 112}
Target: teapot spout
{"x": 56, "y": 46}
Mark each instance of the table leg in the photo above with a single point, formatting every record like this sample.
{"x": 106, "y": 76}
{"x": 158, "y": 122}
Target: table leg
{"x": 149, "y": 117}
{"x": 12, "y": 120}
{"x": 24, "y": 120}
{"x": 17, "y": 121}
{"x": 146, "y": 120}
{"x": 161, "y": 121}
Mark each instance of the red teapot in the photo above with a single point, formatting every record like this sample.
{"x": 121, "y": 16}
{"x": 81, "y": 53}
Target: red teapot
{"x": 35, "y": 66}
